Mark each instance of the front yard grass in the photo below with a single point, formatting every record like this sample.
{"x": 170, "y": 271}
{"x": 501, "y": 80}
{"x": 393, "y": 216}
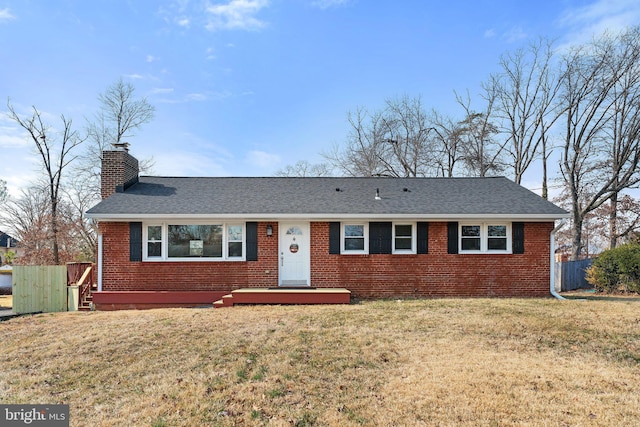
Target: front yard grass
{"x": 475, "y": 362}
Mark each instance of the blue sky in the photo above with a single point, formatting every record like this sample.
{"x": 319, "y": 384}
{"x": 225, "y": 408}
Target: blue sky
{"x": 246, "y": 87}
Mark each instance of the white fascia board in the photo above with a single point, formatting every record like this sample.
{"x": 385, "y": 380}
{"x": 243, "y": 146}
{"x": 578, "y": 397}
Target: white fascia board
{"x": 326, "y": 217}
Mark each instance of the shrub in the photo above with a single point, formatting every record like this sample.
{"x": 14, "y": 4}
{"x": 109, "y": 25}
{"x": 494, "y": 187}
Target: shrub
{"x": 616, "y": 270}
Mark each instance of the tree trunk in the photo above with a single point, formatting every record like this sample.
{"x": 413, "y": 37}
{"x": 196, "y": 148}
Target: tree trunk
{"x": 545, "y": 190}
{"x": 54, "y": 231}
{"x": 613, "y": 221}
{"x": 576, "y": 248}
{"x": 578, "y": 219}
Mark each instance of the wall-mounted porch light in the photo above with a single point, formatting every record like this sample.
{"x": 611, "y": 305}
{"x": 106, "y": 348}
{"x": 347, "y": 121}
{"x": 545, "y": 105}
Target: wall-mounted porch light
{"x": 269, "y": 230}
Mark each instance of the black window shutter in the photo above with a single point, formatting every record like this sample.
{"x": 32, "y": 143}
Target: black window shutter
{"x": 452, "y": 238}
{"x": 423, "y": 237}
{"x": 380, "y": 236}
{"x": 252, "y": 241}
{"x": 135, "y": 241}
{"x": 334, "y": 238}
{"x": 517, "y": 236}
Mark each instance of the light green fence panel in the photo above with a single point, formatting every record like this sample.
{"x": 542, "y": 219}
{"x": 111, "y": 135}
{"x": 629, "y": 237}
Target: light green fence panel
{"x": 39, "y": 288}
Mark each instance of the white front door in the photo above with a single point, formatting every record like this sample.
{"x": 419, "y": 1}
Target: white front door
{"x": 295, "y": 251}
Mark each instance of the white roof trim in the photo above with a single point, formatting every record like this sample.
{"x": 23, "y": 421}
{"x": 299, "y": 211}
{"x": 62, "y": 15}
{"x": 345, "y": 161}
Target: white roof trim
{"x": 324, "y": 217}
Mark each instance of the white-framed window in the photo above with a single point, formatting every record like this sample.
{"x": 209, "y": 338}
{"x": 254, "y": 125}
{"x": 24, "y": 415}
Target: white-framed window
{"x": 354, "y": 238}
{"x": 485, "y": 237}
{"x": 193, "y": 241}
{"x": 154, "y": 241}
{"x": 404, "y": 238}
{"x": 497, "y": 238}
{"x": 235, "y": 241}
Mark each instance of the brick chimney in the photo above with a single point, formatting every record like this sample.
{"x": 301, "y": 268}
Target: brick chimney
{"x": 119, "y": 170}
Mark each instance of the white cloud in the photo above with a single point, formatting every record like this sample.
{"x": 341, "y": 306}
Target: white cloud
{"x": 196, "y": 97}
{"x": 262, "y": 159}
{"x": 326, "y": 4}
{"x": 134, "y": 76}
{"x": 235, "y": 15}
{"x": 490, "y": 33}
{"x": 583, "y": 23}
{"x": 515, "y": 34}
{"x": 10, "y": 137}
{"x": 184, "y": 22}
{"x": 5, "y": 15}
{"x": 161, "y": 90}
{"x": 151, "y": 58}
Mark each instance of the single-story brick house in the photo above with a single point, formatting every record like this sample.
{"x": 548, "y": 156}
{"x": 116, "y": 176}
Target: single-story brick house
{"x": 189, "y": 240}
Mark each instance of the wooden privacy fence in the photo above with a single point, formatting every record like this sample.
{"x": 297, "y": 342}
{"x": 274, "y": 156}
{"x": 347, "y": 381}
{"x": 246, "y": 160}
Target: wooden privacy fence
{"x": 571, "y": 275}
{"x": 39, "y": 288}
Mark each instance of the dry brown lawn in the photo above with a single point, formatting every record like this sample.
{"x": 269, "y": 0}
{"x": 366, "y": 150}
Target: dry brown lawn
{"x": 474, "y": 362}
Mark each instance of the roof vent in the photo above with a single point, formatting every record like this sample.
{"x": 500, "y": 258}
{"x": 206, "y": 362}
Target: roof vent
{"x": 378, "y": 194}
{"x": 338, "y": 189}
{"x": 405, "y": 189}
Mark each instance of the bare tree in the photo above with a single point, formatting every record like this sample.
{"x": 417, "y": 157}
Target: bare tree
{"x": 120, "y": 115}
{"x": 526, "y": 89}
{"x": 360, "y": 157}
{"x": 85, "y": 230}
{"x": 592, "y": 168}
{"x": 28, "y": 218}
{"x": 391, "y": 142}
{"x": 623, "y": 130}
{"x": 447, "y": 144}
{"x": 303, "y": 169}
{"x": 482, "y": 153}
{"x": 55, "y": 157}
{"x": 3, "y": 190}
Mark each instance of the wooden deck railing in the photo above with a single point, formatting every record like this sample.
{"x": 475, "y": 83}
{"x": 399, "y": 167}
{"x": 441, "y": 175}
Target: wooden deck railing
{"x": 85, "y": 283}
{"x": 81, "y": 275}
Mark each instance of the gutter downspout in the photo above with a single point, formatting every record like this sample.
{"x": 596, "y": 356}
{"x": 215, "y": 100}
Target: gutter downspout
{"x": 100, "y": 262}
{"x": 552, "y": 273}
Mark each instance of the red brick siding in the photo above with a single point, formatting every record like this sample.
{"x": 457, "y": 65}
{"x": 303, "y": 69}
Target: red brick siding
{"x": 118, "y": 168}
{"x": 436, "y": 274}
{"x": 120, "y": 274}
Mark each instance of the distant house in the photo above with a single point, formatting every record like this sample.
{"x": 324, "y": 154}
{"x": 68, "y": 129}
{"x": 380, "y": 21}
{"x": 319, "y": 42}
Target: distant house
{"x": 187, "y": 240}
{"x": 7, "y": 244}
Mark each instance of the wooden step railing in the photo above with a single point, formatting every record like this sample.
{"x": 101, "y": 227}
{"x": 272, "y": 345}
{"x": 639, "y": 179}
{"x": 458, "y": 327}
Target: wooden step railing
{"x": 85, "y": 283}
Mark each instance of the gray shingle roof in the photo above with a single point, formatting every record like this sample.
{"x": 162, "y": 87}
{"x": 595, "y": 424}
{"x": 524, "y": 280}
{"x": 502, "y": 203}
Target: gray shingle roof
{"x": 441, "y": 198}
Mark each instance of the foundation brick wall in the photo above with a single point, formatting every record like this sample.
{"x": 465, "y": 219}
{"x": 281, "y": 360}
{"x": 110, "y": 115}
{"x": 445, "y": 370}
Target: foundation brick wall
{"x": 436, "y": 274}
